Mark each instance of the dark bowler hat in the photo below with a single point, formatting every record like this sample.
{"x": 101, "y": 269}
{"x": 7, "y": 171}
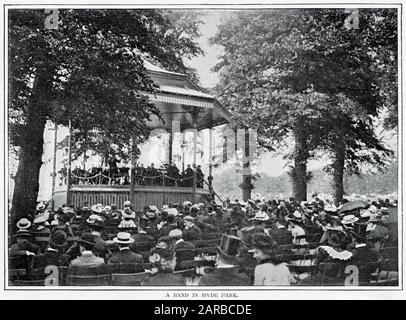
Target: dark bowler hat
{"x": 59, "y": 239}
{"x": 229, "y": 246}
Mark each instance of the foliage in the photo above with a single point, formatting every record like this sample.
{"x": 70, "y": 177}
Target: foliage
{"x": 90, "y": 71}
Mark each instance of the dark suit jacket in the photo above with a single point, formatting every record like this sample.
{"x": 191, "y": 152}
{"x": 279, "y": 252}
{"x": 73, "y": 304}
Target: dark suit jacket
{"x": 184, "y": 251}
{"x": 166, "y": 228}
{"x": 57, "y": 259}
{"x": 142, "y": 242}
{"x": 282, "y": 236}
{"x": 225, "y": 277}
{"x": 191, "y": 234}
{"x": 126, "y": 256}
{"x": 363, "y": 258}
{"x": 28, "y": 246}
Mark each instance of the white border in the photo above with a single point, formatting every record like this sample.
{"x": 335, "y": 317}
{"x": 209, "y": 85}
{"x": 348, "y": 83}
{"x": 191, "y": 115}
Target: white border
{"x": 160, "y": 293}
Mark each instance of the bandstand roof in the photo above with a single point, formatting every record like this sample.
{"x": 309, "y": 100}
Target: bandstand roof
{"x": 177, "y": 96}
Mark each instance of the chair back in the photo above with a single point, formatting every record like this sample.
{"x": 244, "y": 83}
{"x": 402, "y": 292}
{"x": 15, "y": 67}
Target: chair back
{"x": 130, "y": 279}
{"x": 98, "y": 280}
{"x": 127, "y": 267}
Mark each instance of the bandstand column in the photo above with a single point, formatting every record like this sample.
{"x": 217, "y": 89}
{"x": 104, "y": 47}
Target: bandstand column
{"x": 69, "y": 169}
{"x": 194, "y": 118}
{"x": 210, "y": 178}
{"x": 132, "y": 168}
{"x": 170, "y": 147}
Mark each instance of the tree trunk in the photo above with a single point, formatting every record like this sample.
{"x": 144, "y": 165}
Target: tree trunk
{"x": 299, "y": 174}
{"x": 338, "y": 171}
{"x": 246, "y": 185}
{"x": 31, "y": 150}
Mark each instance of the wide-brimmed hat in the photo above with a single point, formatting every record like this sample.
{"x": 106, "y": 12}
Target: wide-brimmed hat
{"x": 261, "y": 216}
{"x": 330, "y": 208}
{"x": 40, "y": 206}
{"x": 123, "y": 238}
{"x": 173, "y": 211}
{"x": 59, "y": 239}
{"x": 295, "y": 217}
{"x": 23, "y": 224}
{"x": 87, "y": 238}
{"x": 107, "y": 208}
{"x": 68, "y": 210}
{"x": 95, "y": 220}
{"x": 150, "y": 214}
{"x": 97, "y": 208}
{"x": 127, "y": 203}
{"x": 42, "y": 217}
{"x": 242, "y": 203}
{"x": 263, "y": 242}
{"x": 229, "y": 246}
{"x": 348, "y": 219}
{"x": 175, "y": 233}
{"x": 187, "y": 203}
{"x": 153, "y": 209}
{"x": 189, "y": 218}
{"x": 165, "y": 247}
{"x": 127, "y": 213}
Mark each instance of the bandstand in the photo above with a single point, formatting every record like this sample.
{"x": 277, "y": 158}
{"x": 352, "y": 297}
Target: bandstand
{"x": 182, "y": 105}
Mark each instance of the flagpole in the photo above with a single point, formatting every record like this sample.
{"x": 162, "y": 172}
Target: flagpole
{"x": 54, "y": 168}
{"x": 68, "y": 182}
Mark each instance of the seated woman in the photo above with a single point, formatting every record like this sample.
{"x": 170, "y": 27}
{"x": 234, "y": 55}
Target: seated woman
{"x": 270, "y": 271}
{"x": 163, "y": 258}
{"x": 334, "y": 257}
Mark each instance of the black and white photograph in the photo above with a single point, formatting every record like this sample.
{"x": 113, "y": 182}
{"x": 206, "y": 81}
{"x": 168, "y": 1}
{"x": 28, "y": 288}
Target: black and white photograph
{"x": 197, "y": 147}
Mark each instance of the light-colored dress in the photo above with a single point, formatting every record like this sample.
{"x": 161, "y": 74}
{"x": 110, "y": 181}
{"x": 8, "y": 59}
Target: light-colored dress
{"x": 268, "y": 274}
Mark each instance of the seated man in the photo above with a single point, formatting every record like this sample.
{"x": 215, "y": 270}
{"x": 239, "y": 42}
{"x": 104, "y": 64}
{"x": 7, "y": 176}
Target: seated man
{"x": 23, "y": 244}
{"x": 227, "y": 269}
{"x": 281, "y": 235}
{"x": 184, "y": 249}
{"x": 54, "y": 254}
{"x": 125, "y": 255}
{"x": 87, "y": 257}
{"x": 191, "y": 231}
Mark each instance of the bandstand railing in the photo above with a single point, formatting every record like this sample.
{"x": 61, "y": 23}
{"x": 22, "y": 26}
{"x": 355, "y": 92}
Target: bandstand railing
{"x": 158, "y": 180}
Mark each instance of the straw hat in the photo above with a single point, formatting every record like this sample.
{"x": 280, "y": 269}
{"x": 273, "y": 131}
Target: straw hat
{"x": 123, "y": 238}
{"x": 23, "y": 224}
{"x": 127, "y": 213}
{"x": 261, "y": 216}
{"x": 348, "y": 219}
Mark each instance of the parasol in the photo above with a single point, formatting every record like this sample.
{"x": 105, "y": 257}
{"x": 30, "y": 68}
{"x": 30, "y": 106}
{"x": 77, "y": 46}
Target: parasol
{"x": 351, "y": 205}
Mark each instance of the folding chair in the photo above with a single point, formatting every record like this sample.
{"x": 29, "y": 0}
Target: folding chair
{"x": 332, "y": 273}
{"x": 185, "y": 254}
{"x": 99, "y": 280}
{"x": 211, "y": 235}
{"x": 88, "y": 275}
{"x": 200, "y": 243}
{"x": 388, "y": 273}
{"x": 389, "y": 253}
{"x": 42, "y": 242}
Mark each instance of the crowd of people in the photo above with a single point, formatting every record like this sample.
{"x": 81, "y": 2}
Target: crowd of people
{"x": 167, "y": 175}
{"x": 236, "y": 243}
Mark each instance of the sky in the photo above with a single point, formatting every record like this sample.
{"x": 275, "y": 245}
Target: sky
{"x": 270, "y": 163}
